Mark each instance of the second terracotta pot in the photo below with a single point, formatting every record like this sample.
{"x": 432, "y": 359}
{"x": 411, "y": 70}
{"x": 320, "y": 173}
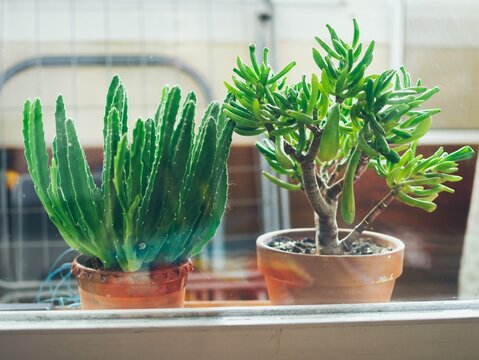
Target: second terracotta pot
{"x": 294, "y": 279}
{"x": 158, "y": 288}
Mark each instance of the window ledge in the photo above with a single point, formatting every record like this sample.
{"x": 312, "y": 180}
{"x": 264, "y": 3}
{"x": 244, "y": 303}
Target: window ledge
{"x": 422, "y": 330}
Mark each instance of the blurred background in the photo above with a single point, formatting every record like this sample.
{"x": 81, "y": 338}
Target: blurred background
{"x": 74, "y": 47}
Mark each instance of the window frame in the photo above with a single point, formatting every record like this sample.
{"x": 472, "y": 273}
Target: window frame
{"x": 412, "y": 330}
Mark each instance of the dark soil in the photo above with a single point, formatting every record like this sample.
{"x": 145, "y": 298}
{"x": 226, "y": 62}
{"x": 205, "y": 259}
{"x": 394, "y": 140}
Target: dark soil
{"x": 308, "y": 246}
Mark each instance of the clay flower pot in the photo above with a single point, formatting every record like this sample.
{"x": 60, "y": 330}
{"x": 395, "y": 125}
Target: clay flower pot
{"x": 102, "y": 289}
{"x": 294, "y": 279}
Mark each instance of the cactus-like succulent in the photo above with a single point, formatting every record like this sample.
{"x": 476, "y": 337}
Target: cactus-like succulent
{"x": 162, "y": 196}
{"x": 323, "y": 133}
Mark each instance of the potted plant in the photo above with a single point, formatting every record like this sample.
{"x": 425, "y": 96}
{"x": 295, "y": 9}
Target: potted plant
{"x": 322, "y": 133}
{"x": 160, "y": 201}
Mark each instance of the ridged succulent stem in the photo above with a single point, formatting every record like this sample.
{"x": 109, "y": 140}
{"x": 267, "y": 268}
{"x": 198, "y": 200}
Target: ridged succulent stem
{"x": 161, "y": 198}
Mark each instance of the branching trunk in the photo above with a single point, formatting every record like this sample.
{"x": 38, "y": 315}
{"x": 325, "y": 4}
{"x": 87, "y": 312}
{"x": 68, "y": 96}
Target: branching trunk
{"x": 323, "y": 198}
{"x": 325, "y": 209}
{"x": 324, "y": 206}
{"x": 366, "y": 222}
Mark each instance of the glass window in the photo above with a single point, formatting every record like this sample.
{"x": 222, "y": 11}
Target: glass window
{"x": 75, "y": 47}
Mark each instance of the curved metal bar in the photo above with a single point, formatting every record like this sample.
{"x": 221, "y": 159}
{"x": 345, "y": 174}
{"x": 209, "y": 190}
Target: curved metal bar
{"x": 105, "y": 60}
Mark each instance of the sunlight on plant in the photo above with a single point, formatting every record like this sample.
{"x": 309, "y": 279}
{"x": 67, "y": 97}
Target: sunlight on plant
{"x": 324, "y": 131}
{"x": 162, "y": 195}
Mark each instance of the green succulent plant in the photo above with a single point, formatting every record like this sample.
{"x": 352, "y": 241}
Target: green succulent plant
{"x": 322, "y": 133}
{"x": 161, "y": 197}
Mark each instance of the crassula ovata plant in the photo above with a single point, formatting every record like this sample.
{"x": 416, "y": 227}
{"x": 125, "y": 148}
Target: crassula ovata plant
{"x": 324, "y": 131}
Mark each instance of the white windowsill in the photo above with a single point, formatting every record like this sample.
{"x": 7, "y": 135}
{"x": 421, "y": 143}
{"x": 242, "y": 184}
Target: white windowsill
{"x": 422, "y": 330}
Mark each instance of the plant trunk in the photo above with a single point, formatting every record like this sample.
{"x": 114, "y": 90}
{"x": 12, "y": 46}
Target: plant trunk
{"x": 325, "y": 210}
{"x": 327, "y": 241}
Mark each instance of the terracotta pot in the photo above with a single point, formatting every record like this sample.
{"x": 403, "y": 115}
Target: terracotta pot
{"x": 328, "y": 279}
{"x": 103, "y": 289}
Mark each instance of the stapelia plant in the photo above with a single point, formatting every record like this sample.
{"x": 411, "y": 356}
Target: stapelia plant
{"x": 162, "y": 196}
{"x": 324, "y": 132}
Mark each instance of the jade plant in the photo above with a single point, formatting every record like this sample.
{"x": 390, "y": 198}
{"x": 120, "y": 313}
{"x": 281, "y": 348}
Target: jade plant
{"x": 322, "y": 132}
{"x": 162, "y": 195}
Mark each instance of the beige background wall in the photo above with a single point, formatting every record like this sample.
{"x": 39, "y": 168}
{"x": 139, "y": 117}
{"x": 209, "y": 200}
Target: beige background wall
{"x": 442, "y": 46}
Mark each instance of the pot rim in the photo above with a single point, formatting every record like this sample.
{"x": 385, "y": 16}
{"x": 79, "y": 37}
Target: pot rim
{"x": 262, "y": 240}
{"x": 78, "y": 266}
